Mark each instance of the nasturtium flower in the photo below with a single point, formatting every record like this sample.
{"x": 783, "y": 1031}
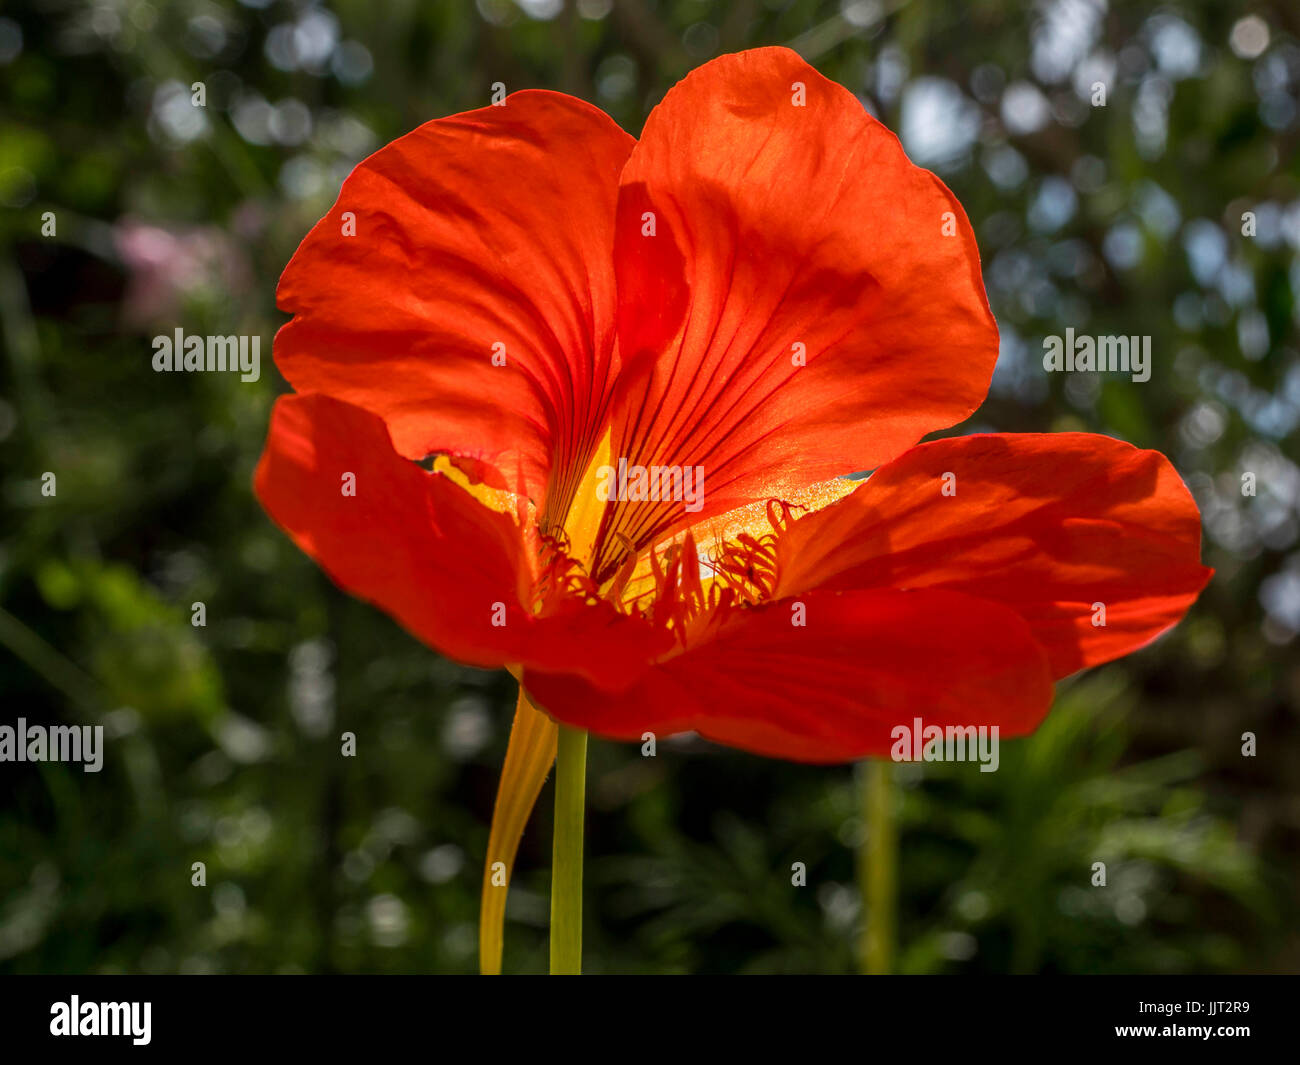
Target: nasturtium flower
{"x": 506, "y": 305}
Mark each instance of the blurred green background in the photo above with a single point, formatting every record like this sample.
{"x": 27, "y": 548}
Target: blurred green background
{"x": 224, "y": 747}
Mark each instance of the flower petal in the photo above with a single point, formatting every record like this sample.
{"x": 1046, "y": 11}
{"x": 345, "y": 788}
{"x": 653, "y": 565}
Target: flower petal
{"x": 493, "y": 227}
{"x": 529, "y": 757}
{"x": 783, "y": 230}
{"x": 453, "y": 572}
{"x": 833, "y": 688}
{"x": 1049, "y": 525}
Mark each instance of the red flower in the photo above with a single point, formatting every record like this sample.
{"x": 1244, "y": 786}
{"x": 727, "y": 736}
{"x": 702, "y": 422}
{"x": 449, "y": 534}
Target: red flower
{"x": 764, "y": 288}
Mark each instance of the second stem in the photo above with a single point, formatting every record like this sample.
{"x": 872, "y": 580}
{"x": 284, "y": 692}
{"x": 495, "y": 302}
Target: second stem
{"x": 878, "y": 869}
{"x": 566, "y": 853}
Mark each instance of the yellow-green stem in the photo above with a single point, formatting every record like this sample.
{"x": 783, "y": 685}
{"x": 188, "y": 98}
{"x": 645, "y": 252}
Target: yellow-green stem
{"x": 566, "y": 860}
{"x": 878, "y": 868}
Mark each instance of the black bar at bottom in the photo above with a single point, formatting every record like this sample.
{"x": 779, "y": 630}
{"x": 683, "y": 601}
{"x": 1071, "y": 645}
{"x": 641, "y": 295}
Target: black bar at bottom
{"x": 446, "y": 1015}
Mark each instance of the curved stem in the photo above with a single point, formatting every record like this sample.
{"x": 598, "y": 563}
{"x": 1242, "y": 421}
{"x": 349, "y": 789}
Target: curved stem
{"x": 878, "y": 868}
{"x": 566, "y": 862}
{"x": 528, "y": 763}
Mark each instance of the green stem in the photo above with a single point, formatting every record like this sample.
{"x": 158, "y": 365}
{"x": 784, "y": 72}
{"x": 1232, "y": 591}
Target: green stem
{"x": 566, "y": 861}
{"x": 878, "y": 868}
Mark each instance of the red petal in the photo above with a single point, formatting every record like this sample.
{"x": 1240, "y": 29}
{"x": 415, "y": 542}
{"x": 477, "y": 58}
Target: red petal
{"x": 423, "y": 550}
{"x": 778, "y": 225}
{"x": 833, "y": 689}
{"x": 494, "y": 226}
{"x": 1046, "y": 524}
